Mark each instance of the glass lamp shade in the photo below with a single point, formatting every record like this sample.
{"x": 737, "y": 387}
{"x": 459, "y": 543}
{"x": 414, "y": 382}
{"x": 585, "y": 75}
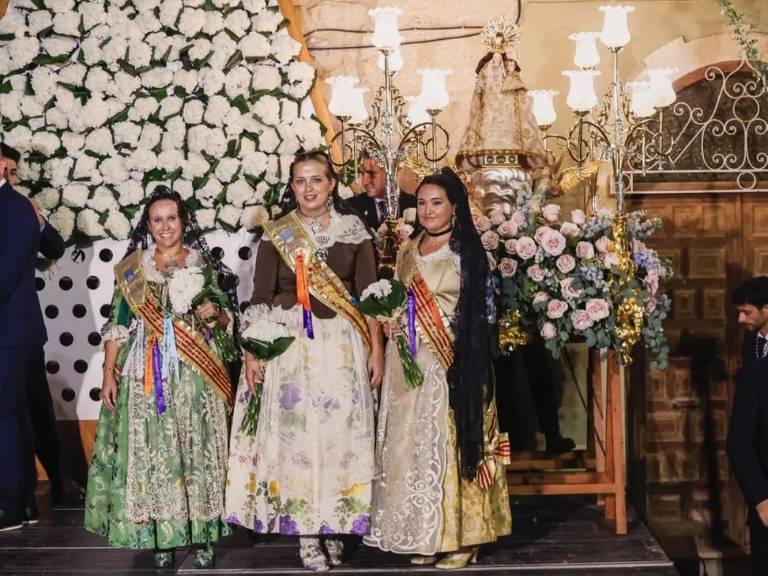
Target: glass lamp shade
{"x": 661, "y": 89}
{"x": 581, "y": 95}
{"x": 417, "y": 113}
{"x": 641, "y": 103}
{"x": 586, "y": 55}
{"x": 395, "y": 60}
{"x": 359, "y": 113}
{"x": 386, "y": 36}
{"x": 342, "y": 101}
{"x": 543, "y": 106}
{"x": 615, "y": 32}
{"x": 434, "y": 94}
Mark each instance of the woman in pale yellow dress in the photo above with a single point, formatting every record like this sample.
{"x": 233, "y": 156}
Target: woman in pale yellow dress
{"x": 441, "y": 486}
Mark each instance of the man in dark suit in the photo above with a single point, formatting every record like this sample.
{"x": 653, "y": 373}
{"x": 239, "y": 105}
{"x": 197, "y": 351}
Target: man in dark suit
{"x": 372, "y": 206}
{"x": 751, "y": 301}
{"x": 23, "y": 232}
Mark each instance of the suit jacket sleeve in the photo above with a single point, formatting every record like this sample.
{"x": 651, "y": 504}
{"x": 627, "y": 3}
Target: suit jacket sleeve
{"x": 743, "y": 435}
{"x": 265, "y": 275}
{"x": 51, "y": 243}
{"x": 19, "y": 242}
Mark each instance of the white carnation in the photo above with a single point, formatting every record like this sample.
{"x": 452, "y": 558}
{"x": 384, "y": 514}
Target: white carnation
{"x": 20, "y": 138}
{"x": 117, "y": 225}
{"x": 267, "y": 21}
{"x": 130, "y": 192}
{"x": 169, "y": 12}
{"x": 226, "y": 170}
{"x": 63, "y": 219}
{"x": 85, "y": 167}
{"x": 10, "y": 107}
{"x": 378, "y": 290}
{"x": 115, "y": 49}
{"x": 113, "y": 170}
{"x": 197, "y": 138}
{"x": 72, "y": 141}
{"x": 254, "y": 6}
{"x": 267, "y": 109}
{"x": 239, "y": 193}
{"x": 205, "y": 218}
{"x": 191, "y": 22}
{"x": 100, "y": 142}
{"x": 187, "y": 79}
{"x": 237, "y": 22}
{"x": 72, "y": 74}
{"x": 59, "y": 46}
{"x": 88, "y": 223}
{"x": 254, "y": 216}
{"x": 46, "y": 143}
{"x": 157, "y": 78}
{"x": 238, "y": 82}
{"x": 201, "y": 47}
{"x": 37, "y": 21}
{"x": 142, "y": 160}
{"x": 255, "y": 45}
{"x": 308, "y": 132}
{"x": 271, "y": 175}
{"x": 23, "y": 50}
{"x": 170, "y": 160}
{"x": 298, "y": 90}
{"x": 284, "y": 48}
{"x": 266, "y": 331}
{"x": 102, "y": 200}
{"x": 127, "y": 133}
{"x": 95, "y": 113}
{"x": 255, "y": 164}
{"x": 170, "y": 106}
{"x": 230, "y": 216}
{"x": 139, "y": 54}
{"x": 195, "y": 166}
{"x": 31, "y": 107}
{"x": 223, "y": 49}
{"x": 289, "y": 111}
{"x": 183, "y": 286}
{"x": 93, "y": 14}
{"x": 57, "y": 170}
{"x": 214, "y": 22}
{"x": 150, "y": 136}
{"x": 91, "y": 50}
{"x": 233, "y": 122}
{"x": 212, "y": 81}
{"x": 67, "y": 23}
{"x": 269, "y": 140}
{"x": 75, "y": 195}
{"x": 300, "y": 72}
{"x": 43, "y": 84}
{"x": 266, "y": 77}
{"x": 98, "y": 80}
{"x": 175, "y": 132}
{"x": 217, "y": 143}
{"x": 62, "y": 6}
{"x": 48, "y": 198}
{"x": 217, "y": 110}
{"x": 208, "y": 193}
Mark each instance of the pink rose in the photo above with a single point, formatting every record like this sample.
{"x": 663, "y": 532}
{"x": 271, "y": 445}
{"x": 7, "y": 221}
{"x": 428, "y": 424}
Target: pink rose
{"x": 581, "y": 320}
{"x": 569, "y": 229}
{"x": 610, "y": 260}
{"x": 553, "y": 243}
{"x": 565, "y": 263}
{"x": 541, "y": 231}
{"x": 650, "y": 306}
{"x": 551, "y": 212}
{"x": 496, "y": 216}
{"x": 526, "y": 247}
{"x": 482, "y": 223}
{"x": 597, "y": 308}
{"x": 508, "y": 229}
{"x": 585, "y": 250}
{"x": 511, "y": 246}
{"x": 567, "y": 289}
{"x": 556, "y": 309}
{"x": 536, "y": 273}
{"x": 548, "y": 331}
{"x": 603, "y": 244}
{"x": 540, "y": 297}
{"x": 490, "y": 240}
{"x": 508, "y": 267}
{"x": 518, "y": 217}
{"x": 578, "y": 217}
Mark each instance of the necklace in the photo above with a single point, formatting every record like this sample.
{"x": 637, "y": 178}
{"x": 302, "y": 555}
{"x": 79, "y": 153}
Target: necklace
{"x": 321, "y": 235}
{"x": 439, "y": 232}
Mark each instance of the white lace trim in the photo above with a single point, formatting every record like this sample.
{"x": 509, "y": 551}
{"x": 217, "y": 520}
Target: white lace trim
{"x": 443, "y": 252}
{"x": 116, "y": 333}
{"x": 344, "y": 229}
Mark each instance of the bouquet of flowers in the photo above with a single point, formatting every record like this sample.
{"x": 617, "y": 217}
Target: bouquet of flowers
{"x": 187, "y": 289}
{"x": 559, "y": 274}
{"x": 387, "y": 300}
{"x": 265, "y": 340}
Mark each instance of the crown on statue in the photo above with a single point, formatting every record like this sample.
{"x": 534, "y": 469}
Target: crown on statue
{"x": 500, "y": 34}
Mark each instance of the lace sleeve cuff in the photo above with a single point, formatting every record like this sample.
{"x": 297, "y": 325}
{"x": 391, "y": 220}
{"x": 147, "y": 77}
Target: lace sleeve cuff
{"x": 115, "y": 333}
{"x": 254, "y": 313}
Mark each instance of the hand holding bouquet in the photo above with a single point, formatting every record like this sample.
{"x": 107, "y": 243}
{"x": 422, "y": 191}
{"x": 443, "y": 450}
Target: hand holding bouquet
{"x": 386, "y": 300}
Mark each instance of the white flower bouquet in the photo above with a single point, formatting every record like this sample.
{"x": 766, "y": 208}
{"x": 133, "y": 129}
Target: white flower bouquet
{"x": 387, "y": 300}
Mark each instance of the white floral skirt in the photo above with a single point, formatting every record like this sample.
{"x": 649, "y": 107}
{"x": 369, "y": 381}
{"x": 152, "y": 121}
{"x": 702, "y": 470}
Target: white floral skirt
{"x": 309, "y": 468}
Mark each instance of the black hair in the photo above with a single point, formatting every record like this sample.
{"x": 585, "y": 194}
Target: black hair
{"x": 469, "y": 377}
{"x": 192, "y": 237}
{"x": 753, "y": 291}
{"x": 10, "y": 153}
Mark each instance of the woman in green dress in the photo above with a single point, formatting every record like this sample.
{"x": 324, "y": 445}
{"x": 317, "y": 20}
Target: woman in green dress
{"x": 441, "y": 484}
{"x": 159, "y": 461}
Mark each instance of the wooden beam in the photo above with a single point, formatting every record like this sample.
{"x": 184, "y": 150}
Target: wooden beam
{"x": 3, "y": 7}
{"x": 318, "y": 99}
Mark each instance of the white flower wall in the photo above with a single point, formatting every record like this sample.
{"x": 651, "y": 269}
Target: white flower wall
{"x": 106, "y": 99}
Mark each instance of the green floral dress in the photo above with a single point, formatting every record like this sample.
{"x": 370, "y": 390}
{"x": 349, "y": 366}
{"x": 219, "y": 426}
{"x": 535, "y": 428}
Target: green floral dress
{"x": 157, "y": 479}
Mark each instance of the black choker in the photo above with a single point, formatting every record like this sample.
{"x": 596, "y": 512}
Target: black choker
{"x": 433, "y": 234}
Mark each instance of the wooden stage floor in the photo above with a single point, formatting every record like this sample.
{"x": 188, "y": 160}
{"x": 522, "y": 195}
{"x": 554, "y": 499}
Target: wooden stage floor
{"x": 555, "y": 536}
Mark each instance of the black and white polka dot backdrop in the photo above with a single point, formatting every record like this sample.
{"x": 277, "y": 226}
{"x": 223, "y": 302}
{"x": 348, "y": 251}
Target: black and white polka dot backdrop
{"x": 75, "y": 297}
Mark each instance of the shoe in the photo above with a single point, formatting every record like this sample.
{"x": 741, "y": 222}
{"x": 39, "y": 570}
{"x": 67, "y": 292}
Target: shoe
{"x": 10, "y": 521}
{"x": 335, "y": 549}
{"x": 459, "y": 559}
{"x": 312, "y": 555}
{"x": 163, "y": 558}
{"x": 423, "y": 560}
{"x": 557, "y": 444}
{"x": 205, "y": 557}
{"x": 31, "y": 515}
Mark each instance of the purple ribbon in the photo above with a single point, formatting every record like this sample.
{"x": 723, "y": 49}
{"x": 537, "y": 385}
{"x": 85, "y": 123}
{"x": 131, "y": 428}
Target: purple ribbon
{"x": 157, "y": 371}
{"x": 412, "y": 321}
{"x": 308, "y": 324}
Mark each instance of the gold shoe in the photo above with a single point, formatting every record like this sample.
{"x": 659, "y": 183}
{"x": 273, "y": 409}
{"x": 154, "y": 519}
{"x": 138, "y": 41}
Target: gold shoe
{"x": 423, "y": 560}
{"x": 459, "y": 559}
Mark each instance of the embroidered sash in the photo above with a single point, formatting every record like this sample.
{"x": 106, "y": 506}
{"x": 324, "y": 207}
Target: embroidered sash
{"x": 190, "y": 345}
{"x": 432, "y": 323}
{"x": 290, "y": 239}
